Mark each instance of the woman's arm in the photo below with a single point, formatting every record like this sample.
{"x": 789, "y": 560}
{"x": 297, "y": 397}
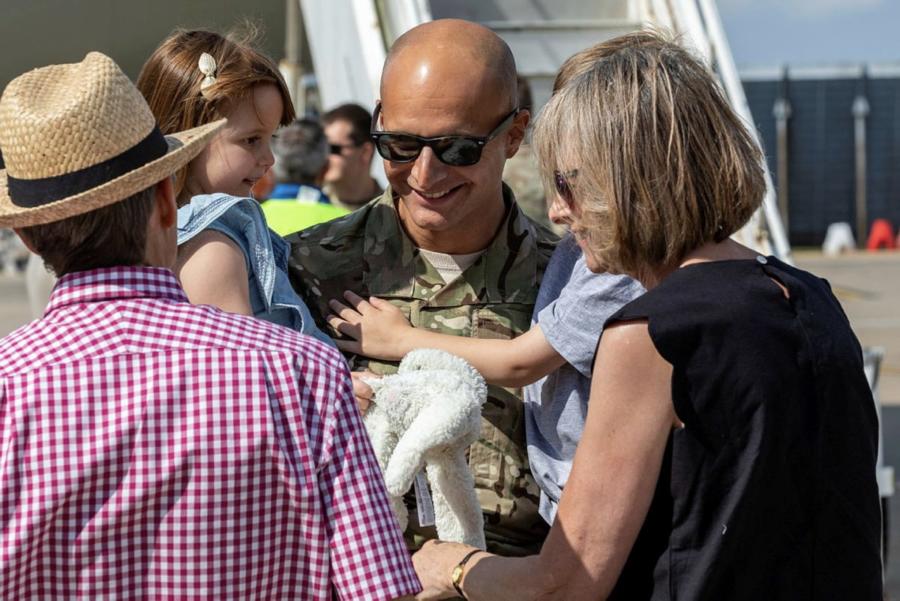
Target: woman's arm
{"x": 380, "y": 330}
{"x": 608, "y": 494}
{"x": 213, "y": 271}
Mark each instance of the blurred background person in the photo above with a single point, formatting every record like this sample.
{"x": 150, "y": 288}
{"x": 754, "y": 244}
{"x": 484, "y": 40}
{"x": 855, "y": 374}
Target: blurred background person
{"x": 301, "y": 159}
{"x": 521, "y": 171}
{"x": 348, "y": 180}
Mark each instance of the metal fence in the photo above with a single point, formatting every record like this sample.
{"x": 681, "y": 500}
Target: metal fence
{"x": 839, "y": 146}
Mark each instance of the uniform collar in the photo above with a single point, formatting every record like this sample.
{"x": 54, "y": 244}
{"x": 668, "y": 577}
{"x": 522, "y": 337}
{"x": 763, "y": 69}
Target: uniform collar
{"x": 506, "y": 272}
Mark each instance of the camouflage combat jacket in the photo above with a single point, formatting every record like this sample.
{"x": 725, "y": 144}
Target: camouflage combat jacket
{"x": 369, "y": 253}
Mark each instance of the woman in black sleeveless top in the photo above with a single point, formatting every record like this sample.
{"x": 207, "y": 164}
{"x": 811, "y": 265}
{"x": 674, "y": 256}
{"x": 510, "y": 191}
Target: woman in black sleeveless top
{"x": 730, "y": 444}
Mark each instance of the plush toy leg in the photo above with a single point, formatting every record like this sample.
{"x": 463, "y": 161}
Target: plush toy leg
{"x": 400, "y": 511}
{"x": 408, "y": 457}
{"x": 457, "y": 514}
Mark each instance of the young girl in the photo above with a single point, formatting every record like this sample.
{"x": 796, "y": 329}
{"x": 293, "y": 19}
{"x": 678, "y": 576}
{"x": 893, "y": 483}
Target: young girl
{"x": 227, "y": 256}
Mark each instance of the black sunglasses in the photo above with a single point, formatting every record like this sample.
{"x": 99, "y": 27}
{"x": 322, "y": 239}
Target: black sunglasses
{"x": 563, "y": 187}
{"x": 457, "y": 151}
{"x": 339, "y": 148}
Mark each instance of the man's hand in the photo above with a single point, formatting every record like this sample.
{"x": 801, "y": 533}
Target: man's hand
{"x": 362, "y": 391}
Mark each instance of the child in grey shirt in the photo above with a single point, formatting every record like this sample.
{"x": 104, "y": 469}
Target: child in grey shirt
{"x": 571, "y": 308}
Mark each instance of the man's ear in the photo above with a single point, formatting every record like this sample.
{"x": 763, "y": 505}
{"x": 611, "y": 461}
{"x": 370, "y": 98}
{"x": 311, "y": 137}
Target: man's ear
{"x": 166, "y": 206}
{"x": 517, "y": 132}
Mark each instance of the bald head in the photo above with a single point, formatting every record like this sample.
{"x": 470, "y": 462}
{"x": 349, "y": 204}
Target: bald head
{"x": 450, "y": 54}
{"x": 451, "y": 78}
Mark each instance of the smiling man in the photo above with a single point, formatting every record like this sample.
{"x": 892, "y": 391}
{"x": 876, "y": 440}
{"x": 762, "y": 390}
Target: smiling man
{"x": 446, "y": 242}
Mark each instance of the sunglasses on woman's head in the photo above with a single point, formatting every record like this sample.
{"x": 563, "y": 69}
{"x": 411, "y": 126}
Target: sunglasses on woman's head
{"x": 457, "y": 151}
{"x": 563, "y": 187}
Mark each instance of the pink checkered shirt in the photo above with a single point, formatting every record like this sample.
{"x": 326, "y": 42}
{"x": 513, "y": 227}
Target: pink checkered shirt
{"x": 154, "y": 449}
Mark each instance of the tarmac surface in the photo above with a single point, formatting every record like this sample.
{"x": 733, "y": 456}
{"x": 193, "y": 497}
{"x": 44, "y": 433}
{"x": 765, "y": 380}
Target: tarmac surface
{"x": 868, "y": 286}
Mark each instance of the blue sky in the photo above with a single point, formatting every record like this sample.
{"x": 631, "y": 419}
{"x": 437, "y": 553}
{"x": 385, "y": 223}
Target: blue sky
{"x": 766, "y": 33}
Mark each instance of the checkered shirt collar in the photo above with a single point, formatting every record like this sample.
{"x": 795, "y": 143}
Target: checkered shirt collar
{"x": 114, "y": 284}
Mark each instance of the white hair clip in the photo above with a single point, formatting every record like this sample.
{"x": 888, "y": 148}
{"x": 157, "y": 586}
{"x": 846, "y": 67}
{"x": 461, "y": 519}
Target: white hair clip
{"x": 207, "y": 66}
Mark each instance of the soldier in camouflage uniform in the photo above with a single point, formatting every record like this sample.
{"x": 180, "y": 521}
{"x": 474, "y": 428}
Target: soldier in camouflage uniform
{"x": 522, "y": 175}
{"x": 456, "y": 210}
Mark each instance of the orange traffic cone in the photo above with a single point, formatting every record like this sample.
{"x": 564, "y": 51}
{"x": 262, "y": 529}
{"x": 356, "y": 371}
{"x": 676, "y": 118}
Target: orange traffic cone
{"x": 881, "y": 235}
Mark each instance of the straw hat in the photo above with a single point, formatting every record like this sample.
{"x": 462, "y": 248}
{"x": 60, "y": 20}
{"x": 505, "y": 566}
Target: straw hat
{"x": 79, "y": 137}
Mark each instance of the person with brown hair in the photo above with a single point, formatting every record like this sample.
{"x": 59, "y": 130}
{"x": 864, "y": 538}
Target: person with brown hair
{"x": 301, "y": 158}
{"x": 149, "y": 447}
{"x": 348, "y": 180}
{"x": 730, "y": 441}
{"x": 228, "y": 257}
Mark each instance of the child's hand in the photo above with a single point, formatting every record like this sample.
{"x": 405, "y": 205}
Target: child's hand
{"x": 377, "y": 327}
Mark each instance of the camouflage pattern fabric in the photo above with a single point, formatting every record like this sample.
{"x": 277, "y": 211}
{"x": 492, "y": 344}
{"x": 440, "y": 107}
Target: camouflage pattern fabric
{"x": 369, "y": 253}
{"x": 522, "y": 175}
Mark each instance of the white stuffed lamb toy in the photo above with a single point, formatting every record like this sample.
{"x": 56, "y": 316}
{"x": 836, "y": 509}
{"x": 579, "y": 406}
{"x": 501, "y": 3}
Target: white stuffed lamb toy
{"x": 428, "y": 414}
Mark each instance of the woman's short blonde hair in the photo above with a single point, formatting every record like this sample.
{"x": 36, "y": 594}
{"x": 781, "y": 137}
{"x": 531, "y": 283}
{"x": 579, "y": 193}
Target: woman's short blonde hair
{"x": 663, "y": 163}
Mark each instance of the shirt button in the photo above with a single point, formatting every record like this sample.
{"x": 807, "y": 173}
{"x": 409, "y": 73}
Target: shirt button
{"x": 761, "y": 260}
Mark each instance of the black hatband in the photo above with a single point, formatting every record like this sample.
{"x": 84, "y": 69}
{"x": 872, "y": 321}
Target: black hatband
{"x": 31, "y": 193}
